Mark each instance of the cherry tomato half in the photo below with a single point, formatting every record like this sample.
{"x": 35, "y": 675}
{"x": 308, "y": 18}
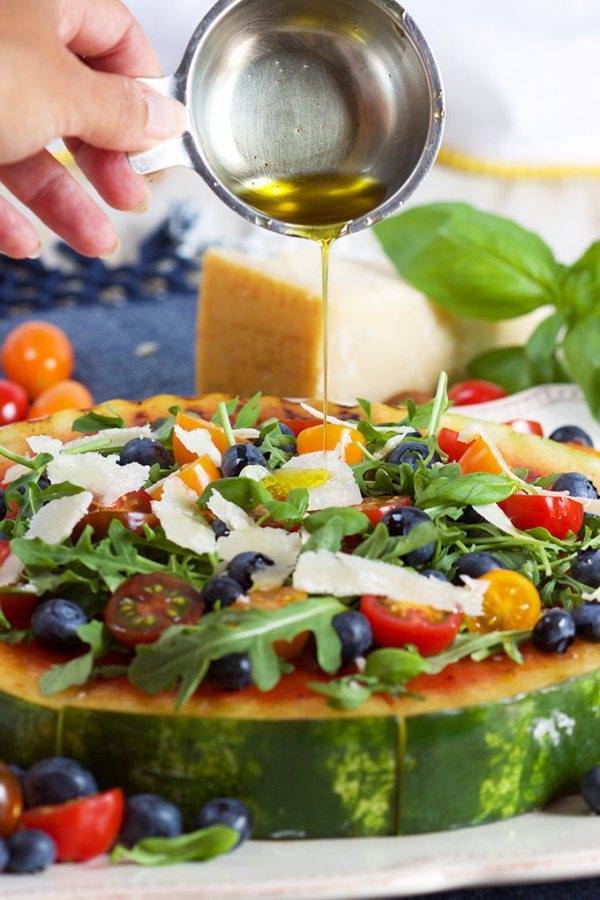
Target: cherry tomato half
{"x": 191, "y": 423}
{"x": 37, "y": 355}
{"x": 376, "y": 507}
{"x": 318, "y": 438}
{"x": 146, "y": 605}
{"x": 474, "y": 390}
{"x": 526, "y": 426}
{"x": 62, "y": 395}
{"x": 133, "y": 510}
{"x": 558, "y": 515}
{"x": 81, "y": 828}
{"x": 510, "y": 603}
{"x": 395, "y": 624}
{"x": 271, "y": 601}
{"x": 13, "y": 402}
{"x": 11, "y": 801}
{"x": 449, "y": 444}
{"x": 17, "y": 607}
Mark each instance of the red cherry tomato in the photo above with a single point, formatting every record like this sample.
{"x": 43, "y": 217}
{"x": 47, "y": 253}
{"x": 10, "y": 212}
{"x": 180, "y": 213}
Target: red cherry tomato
{"x": 395, "y": 624}
{"x": 558, "y": 515}
{"x": 297, "y": 425}
{"x": 37, "y": 355}
{"x": 133, "y": 510}
{"x": 376, "y": 507}
{"x": 17, "y": 607}
{"x": 146, "y": 605}
{"x": 11, "y": 801}
{"x": 62, "y": 395}
{"x": 449, "y": 444}
{"x": 526, "y": 426}
{"x": 13, "y": 402}
{"x": 82, "y": 828}
{"x": 465, "y": 393}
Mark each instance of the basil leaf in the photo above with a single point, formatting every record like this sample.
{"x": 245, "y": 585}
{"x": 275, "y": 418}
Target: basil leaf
{"x": 467, "y": 490}
{"x": 91, "y": 422}
{"x": 582, "y": 354}
{"x": 291, "y": 511}
{"x": 471, "y": 262}
{"x": 540, "y": 351}
{"x": 581, "y": 285}
{"x": 79, "y": 670}
{"x": 195, "y": 847}
{"x": 244, "y": 492}
{"x": 506, "y": 366}
{"x": 354, "y": 521}
{"x": 249, "y": 413}
{"x": 328, "y": 537}
{"x": 392, "y": 666}
{"x": 375, "y": 545}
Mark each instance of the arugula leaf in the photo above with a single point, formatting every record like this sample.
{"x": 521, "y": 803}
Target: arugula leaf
{"x": 274, "y": 443}
{"x": 367, "y": 408}
{"x": 229, "y": 407}
{"x": 92, "y": 421}
{"x": 78, "y": 670}
{"x": 471, "y": 262}
{"x": 290, "y": 511}
{"x": 374, "y": 546}
{"x": 183, "y": 654}
{"x": 328, "y": 536}
{"x": 354, "y": 521}
{"x": 249, "y": 413}
{"x": 376, "y": 478}
{"x": 194, "y": 847}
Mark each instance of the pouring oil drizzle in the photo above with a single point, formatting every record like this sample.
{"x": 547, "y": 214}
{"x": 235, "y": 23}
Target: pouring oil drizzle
{"x": 320, "y": 207}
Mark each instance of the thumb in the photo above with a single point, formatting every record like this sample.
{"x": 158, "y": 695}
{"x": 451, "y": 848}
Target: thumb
{"x": 115, "y": 112}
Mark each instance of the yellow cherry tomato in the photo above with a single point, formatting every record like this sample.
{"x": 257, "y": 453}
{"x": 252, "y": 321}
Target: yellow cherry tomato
{"x": 63, "y": 395}
{"x": 510, "y": 603}
{"x": 319, "y": 437}
{"x": 191, "y": 423}
{"x": 196, "y": 475}
{"x": 271, "y": 601}
{"x": 479, "y": 458}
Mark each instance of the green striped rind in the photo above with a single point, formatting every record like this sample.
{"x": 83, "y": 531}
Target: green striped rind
{"x": 310, "y": 778}
{"x": 489, "y": 762}
{"x": 338, "y": 777}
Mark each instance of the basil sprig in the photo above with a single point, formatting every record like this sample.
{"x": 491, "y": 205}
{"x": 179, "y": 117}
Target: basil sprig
{"x": 485, "y": 266}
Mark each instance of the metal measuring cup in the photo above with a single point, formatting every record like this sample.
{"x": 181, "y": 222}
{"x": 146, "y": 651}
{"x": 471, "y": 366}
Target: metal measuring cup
{"x": 287, "y": 88}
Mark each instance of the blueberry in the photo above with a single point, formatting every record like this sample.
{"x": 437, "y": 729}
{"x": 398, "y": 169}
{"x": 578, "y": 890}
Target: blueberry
{"x": 285, "y": 429}
{"x": 231, "y": 672}
{"x": 291, "y": 447}
{"x": 586, "y": 568}
{"x": 571, "y": 434}
{"x": 238, "y": 457}
{"x": 149, "y": 815}
{"x": 576, "y": 485}
{"x": 587, "y": 620}
{"x": 43, "y": 482}
{"x": 4, "y": 854}
{"x": 554, "y": 632}
{"x": 146, "y": 452}
{"x": 400, "y": 522}
{"x": 434, "y": 573}
{"x": 221, "y": 590}
{"x": 590, "y": 789}
{"x": 226, "y": 811}
{"x": 412, "y": 452}
{"x": 470, "y": 516}
{"x": 56, "y": 780}
{"x": 355, "y": 632}
{"x": 219, "y": 528}
{"x": 18, "y": 771}
{"x": 55, "y": 623}
{"x": 30, "y": 851}
{"x": 243, "y": 565}
{"x": 476, "y": 563}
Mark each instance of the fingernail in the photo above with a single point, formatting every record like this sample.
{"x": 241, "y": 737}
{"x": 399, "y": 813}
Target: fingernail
{"x": 35, "y": 254}
{"x": 156, "y": 177}
{"x": 144, "y": 204}
{"x": 112, "y": 252}
{"x": 166, "y": 117}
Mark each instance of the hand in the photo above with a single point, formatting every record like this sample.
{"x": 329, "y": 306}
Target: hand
{"x": 68, "y": 69}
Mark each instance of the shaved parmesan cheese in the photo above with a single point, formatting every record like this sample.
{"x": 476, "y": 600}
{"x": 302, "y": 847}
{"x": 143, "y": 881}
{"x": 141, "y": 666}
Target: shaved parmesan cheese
{"x": 246, "y": 434}
{"x": 391, "y": 444}
{"x": 279, "y": 545}
{"x": 269, "y": 578}
{"x": 55, "y": 521}
{"x": 199, "y": 442}
{"x": 493, "y": 514}
{"x": 178, "y": 514}
{"x": 11, "y": 570}
{"x": 256, "y": 473}
{"x": 15, "y": 472}
{"x": 41, "y": 443}
{"x": 102, "y": 475}
{"x": 342, "y": 575}
{"x": 340, "y": 489}
{"x": 112, "y": 437}
{"x": 228, "y": 512}
{"x": 317, "y": 414}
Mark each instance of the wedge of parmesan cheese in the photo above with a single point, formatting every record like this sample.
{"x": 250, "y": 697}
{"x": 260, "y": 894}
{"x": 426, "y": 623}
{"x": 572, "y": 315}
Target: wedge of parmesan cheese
{"x": 342, "y": 575}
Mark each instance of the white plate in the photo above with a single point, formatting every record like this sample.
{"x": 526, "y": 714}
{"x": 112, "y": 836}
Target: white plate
{"x": 561, "y": 842}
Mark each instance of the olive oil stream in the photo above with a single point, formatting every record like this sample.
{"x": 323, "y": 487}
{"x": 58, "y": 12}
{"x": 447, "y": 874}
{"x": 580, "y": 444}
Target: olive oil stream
{"x": 320, "y": 207}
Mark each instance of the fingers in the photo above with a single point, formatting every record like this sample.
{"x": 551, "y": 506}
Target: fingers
{"x": 108, "y": 36}
{"x": 112, "y": 176}
{"x": 18, "y": 237}
{"x": 45, "y": 186}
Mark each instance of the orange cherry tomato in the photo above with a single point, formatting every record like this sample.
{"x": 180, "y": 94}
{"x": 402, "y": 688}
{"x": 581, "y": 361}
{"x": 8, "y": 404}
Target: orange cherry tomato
{"x": 11, "y": 801}
{"x": 449, "y": 444}
{"x": 198, "y": 474}
{"x": 37, "y": 355}
{"x": 63, "y": 395}
{"x": 271, "y": 601}
{"x": 479, "y": 458}
{"x": 510, "y": 603}
{"x": 320, "y": 437}
{"x": 191, "y": 423}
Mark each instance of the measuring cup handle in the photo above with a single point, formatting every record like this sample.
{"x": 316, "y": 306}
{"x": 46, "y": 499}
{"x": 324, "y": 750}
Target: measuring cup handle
{"x": 172, "y": 152}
